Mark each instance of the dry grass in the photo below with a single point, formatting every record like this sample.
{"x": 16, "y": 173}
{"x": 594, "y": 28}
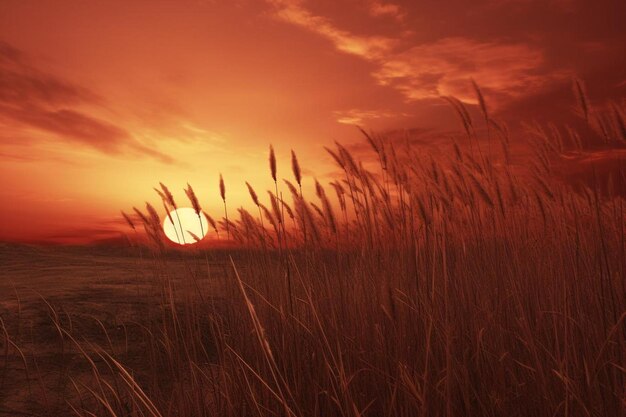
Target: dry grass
{"x": 445, "y": 287}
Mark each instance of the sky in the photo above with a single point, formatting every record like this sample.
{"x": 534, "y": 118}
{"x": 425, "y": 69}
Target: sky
{"x": 102, "y": 100}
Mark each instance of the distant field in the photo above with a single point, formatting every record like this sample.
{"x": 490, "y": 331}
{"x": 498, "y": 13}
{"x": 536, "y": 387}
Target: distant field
{"x": 83, "y": 285}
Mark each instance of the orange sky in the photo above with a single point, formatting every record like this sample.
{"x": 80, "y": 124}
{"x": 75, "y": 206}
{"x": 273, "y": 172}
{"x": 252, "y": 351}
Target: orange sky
{"x": 100, "y": 100}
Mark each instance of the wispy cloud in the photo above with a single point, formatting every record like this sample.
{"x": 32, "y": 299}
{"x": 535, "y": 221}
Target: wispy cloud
{"x": 427, "y": 70}
{"x": 34, "y": 99}
{"x": 383, "y": 9}
{"x": 444, "y": 68}
{"x": 22, "y": 84}
{"x": 359, "y": 116}
{"x": 368, "y": 47}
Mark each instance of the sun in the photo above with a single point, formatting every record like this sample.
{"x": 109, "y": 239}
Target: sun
{"x": 184, "y": 227}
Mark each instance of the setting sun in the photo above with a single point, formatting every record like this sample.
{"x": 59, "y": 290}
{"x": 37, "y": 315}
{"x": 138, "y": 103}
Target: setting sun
{"x": 184, "y": 226}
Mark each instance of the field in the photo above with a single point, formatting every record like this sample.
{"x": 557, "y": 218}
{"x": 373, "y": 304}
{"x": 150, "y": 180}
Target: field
{"x": 425, "y": 286}
{"x": 103, "y": 295}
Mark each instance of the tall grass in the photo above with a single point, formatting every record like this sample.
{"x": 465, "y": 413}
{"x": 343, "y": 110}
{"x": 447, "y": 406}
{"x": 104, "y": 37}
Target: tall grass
{"x": 451, "y": 286}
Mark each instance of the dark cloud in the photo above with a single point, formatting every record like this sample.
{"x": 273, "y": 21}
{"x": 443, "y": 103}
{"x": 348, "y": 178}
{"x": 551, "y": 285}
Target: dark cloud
{"x": 515, "y": 49}
{"x": 81, "y": 128}
{"x": 21, "y": 83}
{"x": 444, "y": 67}
{"x": 71, "y": 125}
{"x": 32, "y": 98}
{"x": 579, "y": 37}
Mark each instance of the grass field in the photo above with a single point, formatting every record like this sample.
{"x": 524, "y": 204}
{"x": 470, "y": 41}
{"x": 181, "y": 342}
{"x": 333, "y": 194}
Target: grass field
{"x": 453, "y": 286}
{"x": 104, "y": 296}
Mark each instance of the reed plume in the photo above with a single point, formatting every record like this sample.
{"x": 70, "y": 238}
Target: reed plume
{"x": 296, "y": 195}
{"x": 370, "y": 139}
{"x": 319, "y": 212}
{"x": 169, "y": 216}
{"x": 328, "y": 210}
{"x": 336, "y": 157}
{"x": 292, "y": 188}
{"x": 295, "y": 167}
{"x": 481, "y": 101}
{"x": 128, "y": 220}
{"x": 346, "y": 156}
{"x": 222, "y": 188}
{"x": 272, "y": 160}
{"x": 255, "y": 200}
{"x": 168, "y": 195}
{"x": 306, "y": 219}
{"x": 195, "y": 237}
{"x": 340, "y": 194}
{"x": 253, "y": 195}
{"x": 160, "y": 193}
{"x": 271, "y": 219}
{"x": 142, "y": 216}
{"x": 154, "y": 219}
{"x": 275, "y": 206}
{"x": 581, "y": 97}
{"x": 223, "y": 195}
{"x": 212, "y": 223}
{"x": 153, "y": 228}
{"x": 191, "y": 195}
{"x": 287, "y": 208}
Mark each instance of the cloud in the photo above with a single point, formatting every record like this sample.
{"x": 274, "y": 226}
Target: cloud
{"x": 33, "y": 99}
{"x": 80, "y": 128}
{"x": 358, "y": 116}
{"x": 381, "y": 9}
{"x": 444, "y": 67}
{"x": 70, "y": 125}
{"x": 21, "y": 83}
{"x": 368, "y": 47}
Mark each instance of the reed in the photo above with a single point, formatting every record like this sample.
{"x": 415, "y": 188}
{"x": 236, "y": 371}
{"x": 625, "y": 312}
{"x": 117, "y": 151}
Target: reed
{"x": 295, "y": 168}
{"x": 457, "y": 285}
{"x": 222, "y": 187}
{"x": 168, "y": 198}
{"x": 128, "y": 220}
{"x": 195, "y": 204}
